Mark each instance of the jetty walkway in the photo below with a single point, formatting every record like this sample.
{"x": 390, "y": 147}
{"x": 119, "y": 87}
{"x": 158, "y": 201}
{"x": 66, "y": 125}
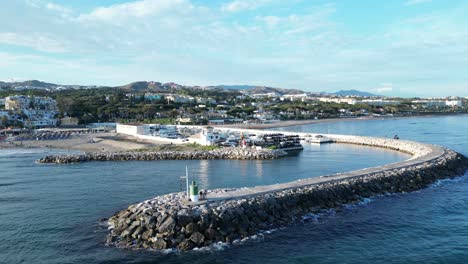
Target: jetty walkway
{"x": 227, "y": 215}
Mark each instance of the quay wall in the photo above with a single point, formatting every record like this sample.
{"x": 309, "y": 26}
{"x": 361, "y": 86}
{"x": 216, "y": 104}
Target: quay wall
{"x": 227, "y": 215}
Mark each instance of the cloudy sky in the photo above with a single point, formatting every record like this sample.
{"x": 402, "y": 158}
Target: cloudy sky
{"x": 397, "y": 47}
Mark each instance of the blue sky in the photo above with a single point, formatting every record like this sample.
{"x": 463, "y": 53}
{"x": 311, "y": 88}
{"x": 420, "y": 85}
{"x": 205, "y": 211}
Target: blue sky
{"x": 395, "y": 47}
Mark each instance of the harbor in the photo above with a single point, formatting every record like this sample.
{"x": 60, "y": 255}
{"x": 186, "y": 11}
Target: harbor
{"x": 180, "y": 221}
{"x": 62, "y": 215}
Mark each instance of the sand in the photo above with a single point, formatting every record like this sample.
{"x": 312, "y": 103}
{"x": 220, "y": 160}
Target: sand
{"x": 108, "y": 142}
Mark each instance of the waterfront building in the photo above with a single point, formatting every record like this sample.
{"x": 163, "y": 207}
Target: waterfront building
{"x": 207, "y": 137}
{"x": 130, "y": 129}
{"x": 453, "y": 103}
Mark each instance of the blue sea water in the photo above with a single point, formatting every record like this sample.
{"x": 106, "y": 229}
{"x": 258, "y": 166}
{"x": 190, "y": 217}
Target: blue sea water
{"x": 50, "y": 213}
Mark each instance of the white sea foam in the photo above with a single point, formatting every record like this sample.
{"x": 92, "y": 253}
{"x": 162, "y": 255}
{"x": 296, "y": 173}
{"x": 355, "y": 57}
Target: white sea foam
{"x": 218, "y": 246}
{"x": 443, "y": 182}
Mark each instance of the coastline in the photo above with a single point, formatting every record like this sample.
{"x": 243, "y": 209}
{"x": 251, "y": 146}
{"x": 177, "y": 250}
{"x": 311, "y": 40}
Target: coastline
{"x": 113, "y": 142}
{"x": 288, "y": 123}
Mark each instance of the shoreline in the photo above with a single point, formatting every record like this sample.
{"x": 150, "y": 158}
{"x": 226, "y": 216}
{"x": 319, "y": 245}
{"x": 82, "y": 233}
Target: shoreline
{"x": 289, "y": 123}
{"x": 113, "y": 142}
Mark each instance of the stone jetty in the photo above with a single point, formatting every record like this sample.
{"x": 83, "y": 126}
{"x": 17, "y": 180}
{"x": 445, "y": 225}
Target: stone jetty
{"x": 223, "y": 153}
{"x": 170, "y": 221}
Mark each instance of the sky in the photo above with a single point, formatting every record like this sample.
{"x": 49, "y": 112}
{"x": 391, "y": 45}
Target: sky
{"x": 393, "y": 47}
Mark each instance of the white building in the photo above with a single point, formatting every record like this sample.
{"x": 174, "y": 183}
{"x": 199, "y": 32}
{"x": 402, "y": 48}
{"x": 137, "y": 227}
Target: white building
{"x": 454, "y": 103}
{"x": 21, "y": 102}
{"x": 207, "y": 137}
{"x": 295, "y": 97}
{"x": 180, "y": 98}
{"x": 130, "y": 129}
{"x": 265, "y": 95}
{"x": 350, "y": 101}
{"x": 39, "y": 111}
{"x": 380, "y": 102}
{"x": 430, "y": 103}
{"x": 203, "y": 100}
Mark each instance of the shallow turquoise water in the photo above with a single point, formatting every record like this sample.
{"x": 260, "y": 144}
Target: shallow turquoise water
{"x": 50, "y": 213}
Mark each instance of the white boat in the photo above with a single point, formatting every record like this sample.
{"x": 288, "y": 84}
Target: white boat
{"x": 318, "y": 139}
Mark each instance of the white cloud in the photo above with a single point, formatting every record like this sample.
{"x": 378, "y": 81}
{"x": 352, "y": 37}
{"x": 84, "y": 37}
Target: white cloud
{"x": 416, "y": 2}
{"x": 36, "y": 41}
{"x": 242, "y": 5}
{"x": 137, "y": 9}
{"x": 184, "y": 42}
{"x": 384, "y": 88}
{"x": 58, "y": 8}
{"x": 270, "y": 21}
{"x": 51, "y": 6}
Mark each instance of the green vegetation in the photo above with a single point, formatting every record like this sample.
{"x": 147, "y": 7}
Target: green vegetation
{"x": 131, "y": 106}
{"x": 113, "y": 104}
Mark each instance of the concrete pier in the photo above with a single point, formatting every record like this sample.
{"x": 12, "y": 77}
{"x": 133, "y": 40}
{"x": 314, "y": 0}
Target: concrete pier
{"x": 169, "y": 222}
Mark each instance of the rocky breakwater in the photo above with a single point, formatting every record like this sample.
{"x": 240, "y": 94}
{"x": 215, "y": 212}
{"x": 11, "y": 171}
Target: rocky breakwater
{"x": 170, "y": 222}
{"x": 223, "y": 153}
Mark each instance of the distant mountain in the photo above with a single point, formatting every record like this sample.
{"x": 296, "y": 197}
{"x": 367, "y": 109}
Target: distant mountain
{"x": 255, "y": 89}
{"x": 354, "y": 93}
{"x": 142, "y": 86}
{"x": 32, "y": 83}
{"x": 37, "y": 84}
{"x": 264, "y": 89}
{"x": 234, "y": 87}
{"x": 150, "y": 86}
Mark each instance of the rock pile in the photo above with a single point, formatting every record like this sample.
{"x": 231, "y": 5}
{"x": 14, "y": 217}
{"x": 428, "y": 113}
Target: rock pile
{"x": 169, "y": 222}
{"x": 223, "y": 153}
{"x": 414, "y": 148}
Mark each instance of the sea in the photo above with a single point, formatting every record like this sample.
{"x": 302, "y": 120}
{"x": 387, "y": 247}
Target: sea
{"x": 55, "y": 213}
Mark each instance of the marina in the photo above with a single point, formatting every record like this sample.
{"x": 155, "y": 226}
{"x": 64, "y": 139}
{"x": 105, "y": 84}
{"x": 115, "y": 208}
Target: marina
{"x": 74, "y": 208}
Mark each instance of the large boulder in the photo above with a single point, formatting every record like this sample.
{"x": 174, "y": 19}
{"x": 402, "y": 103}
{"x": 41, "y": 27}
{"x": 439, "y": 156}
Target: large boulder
{"x": 167, "y": 226}
{"x": 197, "y": 238}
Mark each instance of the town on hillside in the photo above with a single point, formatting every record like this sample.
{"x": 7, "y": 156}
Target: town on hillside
{"x": 28, "y": 106}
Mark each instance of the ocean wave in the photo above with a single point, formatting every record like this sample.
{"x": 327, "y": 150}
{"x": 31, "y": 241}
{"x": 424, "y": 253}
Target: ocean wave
{"x": 449, "y": 181}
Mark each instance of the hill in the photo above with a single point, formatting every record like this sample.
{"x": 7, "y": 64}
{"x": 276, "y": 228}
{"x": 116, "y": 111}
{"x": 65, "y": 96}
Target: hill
{"x": 354, "y": 93}
{"x": 234, "y": 87}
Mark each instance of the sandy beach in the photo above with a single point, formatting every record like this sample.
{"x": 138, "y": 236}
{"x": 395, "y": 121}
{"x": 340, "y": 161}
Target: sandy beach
{"x": 96, "y": 142}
